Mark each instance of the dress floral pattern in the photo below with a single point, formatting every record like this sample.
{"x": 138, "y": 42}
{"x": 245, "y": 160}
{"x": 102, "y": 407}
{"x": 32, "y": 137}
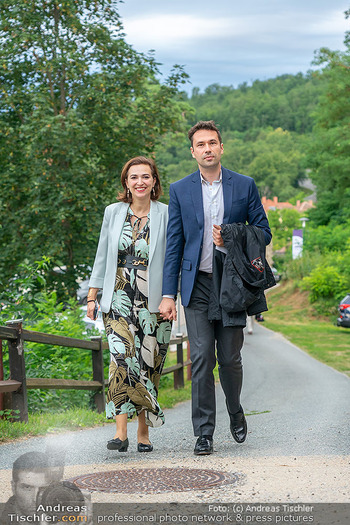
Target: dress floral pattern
{"x": 138, "y": 339}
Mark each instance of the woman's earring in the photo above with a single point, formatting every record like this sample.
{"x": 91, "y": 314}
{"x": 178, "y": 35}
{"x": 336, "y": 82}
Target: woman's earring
{"x": 153, "y": 191}
{"x": 128, "y": 193}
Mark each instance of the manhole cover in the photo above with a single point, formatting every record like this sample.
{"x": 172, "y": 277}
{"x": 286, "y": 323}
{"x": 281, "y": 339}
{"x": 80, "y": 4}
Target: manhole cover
{"x": 153, "y": 481}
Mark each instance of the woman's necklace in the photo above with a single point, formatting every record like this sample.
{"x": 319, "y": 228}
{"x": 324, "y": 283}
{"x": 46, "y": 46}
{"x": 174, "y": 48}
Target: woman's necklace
{"x": 137, "y": 224}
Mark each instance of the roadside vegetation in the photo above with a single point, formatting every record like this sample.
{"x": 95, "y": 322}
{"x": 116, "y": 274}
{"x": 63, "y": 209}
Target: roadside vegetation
{"x": 48, "y": 423}
{"x": 291, "y": 314}
{"x": 56, "y": 418}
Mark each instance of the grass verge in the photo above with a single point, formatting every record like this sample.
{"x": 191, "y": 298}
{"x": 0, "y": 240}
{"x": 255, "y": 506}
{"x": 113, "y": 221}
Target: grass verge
{"x": 291, "y": 314}
{"x": 39, "y": 424}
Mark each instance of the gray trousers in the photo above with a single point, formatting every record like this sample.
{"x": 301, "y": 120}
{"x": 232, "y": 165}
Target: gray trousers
{"x": 202, "y": 335}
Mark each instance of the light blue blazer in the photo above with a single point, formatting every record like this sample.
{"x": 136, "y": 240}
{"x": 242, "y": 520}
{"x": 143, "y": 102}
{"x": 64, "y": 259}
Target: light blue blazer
{"x": 106, "y": 260}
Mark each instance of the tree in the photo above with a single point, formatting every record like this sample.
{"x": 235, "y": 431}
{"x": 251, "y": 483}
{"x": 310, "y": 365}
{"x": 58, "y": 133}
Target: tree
{"x": 273, "y": 158}
{"x": 282, "y": 223}
{"x": 76, "y": 101}
{"x": 286, "y": 101}
{"x": 265, "y": 129}
{"x": 330, "y": 148}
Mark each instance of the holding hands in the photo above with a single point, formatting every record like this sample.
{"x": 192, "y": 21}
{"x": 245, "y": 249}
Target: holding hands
{"x": 167, "y": 309}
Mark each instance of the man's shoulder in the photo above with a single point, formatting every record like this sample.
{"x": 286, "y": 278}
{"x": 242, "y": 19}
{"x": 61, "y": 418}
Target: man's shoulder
{"x": 10, "y": 507}
{"x": 236, "y": 176}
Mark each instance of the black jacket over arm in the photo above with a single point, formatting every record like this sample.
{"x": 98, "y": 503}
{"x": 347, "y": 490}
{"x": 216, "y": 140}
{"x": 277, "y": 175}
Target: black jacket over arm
{"x": 241, "y": 276}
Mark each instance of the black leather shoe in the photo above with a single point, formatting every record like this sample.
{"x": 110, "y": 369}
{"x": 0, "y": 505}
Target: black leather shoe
{"x": 238, "y": 426}
{"x": 204, "y": 446}
{"x": 144, "y": 447}
{"x": 118, "y": 444}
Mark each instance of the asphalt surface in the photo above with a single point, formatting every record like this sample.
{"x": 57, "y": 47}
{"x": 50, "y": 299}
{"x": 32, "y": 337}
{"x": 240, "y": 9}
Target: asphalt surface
{"x": 295, "y": 406}
{"x": 297, "y": 449}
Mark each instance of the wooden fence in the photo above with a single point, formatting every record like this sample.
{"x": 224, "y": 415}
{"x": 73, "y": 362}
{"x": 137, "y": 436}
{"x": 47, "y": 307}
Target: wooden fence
{"x": 16, "y": 387}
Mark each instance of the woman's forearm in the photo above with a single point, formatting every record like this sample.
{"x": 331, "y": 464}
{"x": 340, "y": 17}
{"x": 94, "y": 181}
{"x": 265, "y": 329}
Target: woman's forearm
{"x": 92, "y": 294}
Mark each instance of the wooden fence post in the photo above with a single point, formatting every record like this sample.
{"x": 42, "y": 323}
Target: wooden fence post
{"x": 98, "y": 374}
{"x": 18, "y": 371}
{"x": 179, "y": 374}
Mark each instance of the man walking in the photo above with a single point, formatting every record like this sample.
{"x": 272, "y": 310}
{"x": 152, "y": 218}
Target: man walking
{"x": 198, "y": 205}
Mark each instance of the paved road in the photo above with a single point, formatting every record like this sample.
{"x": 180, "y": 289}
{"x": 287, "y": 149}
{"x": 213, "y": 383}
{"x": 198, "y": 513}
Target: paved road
{"x": 297, "y": 406}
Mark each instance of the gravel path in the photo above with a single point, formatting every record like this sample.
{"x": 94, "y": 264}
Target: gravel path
{"x": 297, "y": 448}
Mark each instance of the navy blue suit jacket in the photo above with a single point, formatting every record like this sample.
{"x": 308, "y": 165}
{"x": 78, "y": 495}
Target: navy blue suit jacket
{"x": 186, "y": 224}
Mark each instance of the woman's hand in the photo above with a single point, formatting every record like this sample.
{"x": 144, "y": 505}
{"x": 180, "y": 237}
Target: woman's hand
{"x": 90, "y": 309}
{"x": 91, "y": 302}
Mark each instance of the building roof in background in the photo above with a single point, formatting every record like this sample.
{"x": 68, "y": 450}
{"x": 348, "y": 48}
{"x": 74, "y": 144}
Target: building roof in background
{"x": 274, "y": 204}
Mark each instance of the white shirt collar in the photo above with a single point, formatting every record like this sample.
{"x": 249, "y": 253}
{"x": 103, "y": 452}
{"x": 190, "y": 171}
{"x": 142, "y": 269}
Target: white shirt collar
{"x": 216, "y": 180}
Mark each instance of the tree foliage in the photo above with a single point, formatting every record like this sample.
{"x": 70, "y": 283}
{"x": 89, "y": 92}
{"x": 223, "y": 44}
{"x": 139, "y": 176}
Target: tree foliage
{"x": 76, "y": 101}
{"x": 286, "y": 101}
{"x": 329, "y": 280}
{"x": 265, "y": 128}
{"x": 330, "y": 148}
{"x": 26, "y": 297}
{"x": 274, "y": 159}
{"x": 282, "y": 223}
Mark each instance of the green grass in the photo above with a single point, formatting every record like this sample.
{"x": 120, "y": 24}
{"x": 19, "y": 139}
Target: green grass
{"x": 291, "y": 314}
{"x": 168, "y": 397}
{"x": 39, "y": 424}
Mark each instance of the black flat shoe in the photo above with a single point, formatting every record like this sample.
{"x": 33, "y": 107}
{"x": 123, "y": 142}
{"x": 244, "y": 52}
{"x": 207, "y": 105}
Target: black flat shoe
{"x": 204, "y": 446}
{"x": 144, "y": 447}
{"x": 238, "y": 426}
{"x": 118, "y": 444}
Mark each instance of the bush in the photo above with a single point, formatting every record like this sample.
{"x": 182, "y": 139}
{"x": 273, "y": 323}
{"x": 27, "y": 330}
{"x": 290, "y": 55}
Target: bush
{"x": 333, "y": 237}
{"x": 324, "y": 282}
{"x": 41, "y": 312}
{"x": 297, "y": 269}
{"x": 325, "y": 274}
{"x": 56, "y": 361}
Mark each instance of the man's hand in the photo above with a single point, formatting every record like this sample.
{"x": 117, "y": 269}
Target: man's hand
{"x": 217, "y": 236}
{"x": 167, "y": 309}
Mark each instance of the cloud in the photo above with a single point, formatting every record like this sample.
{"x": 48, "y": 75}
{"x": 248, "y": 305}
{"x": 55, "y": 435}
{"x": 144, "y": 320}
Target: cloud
{"x": 256, "y": 41}
{"x": 169, "y": 31}
{"x": 332, "y": 24}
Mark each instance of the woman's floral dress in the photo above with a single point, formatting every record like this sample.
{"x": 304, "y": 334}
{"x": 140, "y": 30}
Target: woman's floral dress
{"x": 138, "y": 339}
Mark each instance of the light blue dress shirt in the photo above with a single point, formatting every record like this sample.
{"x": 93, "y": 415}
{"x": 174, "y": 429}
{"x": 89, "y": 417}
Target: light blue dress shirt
{"x": 213, "y": 207}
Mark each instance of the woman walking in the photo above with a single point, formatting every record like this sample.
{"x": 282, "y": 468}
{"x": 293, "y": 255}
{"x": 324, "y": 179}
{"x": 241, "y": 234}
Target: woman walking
{"x": 128, "y": 267}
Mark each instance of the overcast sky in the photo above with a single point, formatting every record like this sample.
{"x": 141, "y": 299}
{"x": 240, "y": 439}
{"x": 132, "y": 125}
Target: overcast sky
{"x": 229, "y": 41}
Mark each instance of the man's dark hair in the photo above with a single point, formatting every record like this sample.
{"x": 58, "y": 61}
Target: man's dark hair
{"x": 204, "y": 124}
{"x": 30, "y": 462}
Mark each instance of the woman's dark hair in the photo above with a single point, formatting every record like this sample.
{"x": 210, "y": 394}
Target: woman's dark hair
{"x": 136, "y": 161}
